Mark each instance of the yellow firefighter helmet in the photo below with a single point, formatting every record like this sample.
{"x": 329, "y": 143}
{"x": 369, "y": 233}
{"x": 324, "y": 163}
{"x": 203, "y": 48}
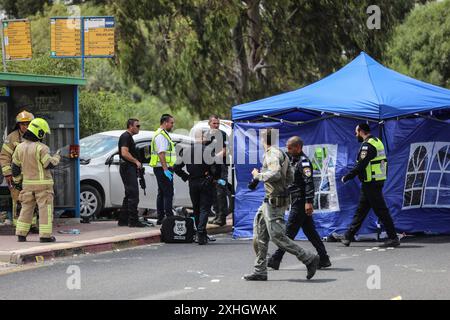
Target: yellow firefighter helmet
{"x": 24, "y": 116}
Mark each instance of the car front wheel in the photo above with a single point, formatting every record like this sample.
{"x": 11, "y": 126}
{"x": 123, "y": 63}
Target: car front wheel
{"x": 91, "y": 202}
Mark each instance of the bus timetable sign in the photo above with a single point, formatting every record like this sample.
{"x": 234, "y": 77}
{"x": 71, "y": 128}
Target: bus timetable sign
{"x": 65, "y": 37}
{"x": 99, "y": 37}
{"x": 17, "y": 39}
{"x": 82, "y": 37}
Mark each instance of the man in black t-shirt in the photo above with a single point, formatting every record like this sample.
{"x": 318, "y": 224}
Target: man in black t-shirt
{"x": 129, "y": 164}
{"x": 219, "y": 141}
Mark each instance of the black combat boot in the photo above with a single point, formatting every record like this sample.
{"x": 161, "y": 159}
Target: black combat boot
{"x": 346, "y": 240}
{"x": 312, "y": 267}
{"x": 273, "y": 263}
{"x": 219, "y": 222}
{"x": 324, "y": 262}
{"x": 137, "y": 224}
{"x": 34, "y": 230}
{"x": 202, "y": 238}
{"x": 51, "y": 239}
{"x": 391, "y": 243}
{"x": 255, "y": 277}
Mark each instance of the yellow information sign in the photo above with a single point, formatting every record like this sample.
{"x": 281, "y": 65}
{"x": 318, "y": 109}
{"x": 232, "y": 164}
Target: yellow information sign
{"x": 99, "y": 36}
{"x": 17, "y": 39}
{"x": 65, "y": 37}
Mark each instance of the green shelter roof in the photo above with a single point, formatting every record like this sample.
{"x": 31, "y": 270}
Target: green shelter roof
{"x": 19, "y": 79}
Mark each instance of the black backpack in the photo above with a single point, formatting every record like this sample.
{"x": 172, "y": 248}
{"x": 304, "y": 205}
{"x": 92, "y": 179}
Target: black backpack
{"x": 177, "y": 229}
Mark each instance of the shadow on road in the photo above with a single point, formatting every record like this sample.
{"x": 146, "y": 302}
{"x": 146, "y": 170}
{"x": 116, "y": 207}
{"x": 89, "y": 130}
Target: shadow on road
{"x": 309, "y": 281}
{"x": 426, "y": 239}
{"x": 326, "y": 269}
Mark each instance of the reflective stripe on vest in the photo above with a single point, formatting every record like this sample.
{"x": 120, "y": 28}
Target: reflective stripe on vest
{"x": 171, "y": 156}
{"x": 376, "y": 170}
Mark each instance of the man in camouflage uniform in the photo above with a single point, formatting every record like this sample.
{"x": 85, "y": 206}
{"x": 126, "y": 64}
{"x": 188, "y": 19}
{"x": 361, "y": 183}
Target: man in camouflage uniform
{"x": 23, "y": 119}
{"x": 302, "y": 197}
{"x": 269, "y": 222}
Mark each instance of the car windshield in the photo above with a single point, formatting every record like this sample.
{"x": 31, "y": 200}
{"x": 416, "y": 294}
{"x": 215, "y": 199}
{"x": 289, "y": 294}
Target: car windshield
{"x": 97, "y": 145}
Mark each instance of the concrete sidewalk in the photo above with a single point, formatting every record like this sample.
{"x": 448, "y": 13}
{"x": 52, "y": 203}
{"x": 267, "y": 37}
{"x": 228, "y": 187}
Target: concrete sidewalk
{"x": 98, "y": 236}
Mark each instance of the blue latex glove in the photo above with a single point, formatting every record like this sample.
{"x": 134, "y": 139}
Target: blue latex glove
{"x": 168, "y": 174}
{"x": 221, "y": 182}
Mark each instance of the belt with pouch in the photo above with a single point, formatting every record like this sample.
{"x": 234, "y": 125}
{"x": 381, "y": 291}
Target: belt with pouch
{"x": 277, "y": 201}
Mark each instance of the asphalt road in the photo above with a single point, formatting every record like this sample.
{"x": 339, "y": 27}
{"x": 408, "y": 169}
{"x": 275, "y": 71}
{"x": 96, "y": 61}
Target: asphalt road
{"x": 419, "y": 269}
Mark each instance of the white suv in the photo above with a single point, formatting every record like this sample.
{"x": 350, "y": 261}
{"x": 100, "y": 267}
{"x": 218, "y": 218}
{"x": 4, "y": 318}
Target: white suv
{"x": 101, "y": 185}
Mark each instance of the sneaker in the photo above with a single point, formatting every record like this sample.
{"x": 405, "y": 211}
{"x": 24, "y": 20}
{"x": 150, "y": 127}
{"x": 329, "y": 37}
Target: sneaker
{"x": 51, "y": 239}
{"x": 312, "y": 267}
{"x": 210, "y": 238}
{"x": 138, "y": 224}
{"x": 255, "y": 277}
{"x": 21, "y": 239}
{"x": 274, "y": 264}
{"x": 324, "y": 262}
{"x": 391, "y": 243}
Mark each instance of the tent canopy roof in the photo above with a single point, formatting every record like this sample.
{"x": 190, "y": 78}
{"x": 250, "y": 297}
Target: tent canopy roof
{"x": 363, "y": 88}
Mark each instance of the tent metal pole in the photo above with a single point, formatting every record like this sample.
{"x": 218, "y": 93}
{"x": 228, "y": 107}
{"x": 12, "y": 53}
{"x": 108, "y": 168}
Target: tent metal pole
{"x": 318, "y": 119}
{"x": 297, "y": 123}
{"x": 233, "y": 180}
{"x": 431, "y": 118}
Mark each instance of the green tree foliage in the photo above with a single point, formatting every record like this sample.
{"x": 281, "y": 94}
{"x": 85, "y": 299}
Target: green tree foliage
{"x": 22, "y": 8}
{"x": 208, "y": 55}
{"x": 420, "y": 46}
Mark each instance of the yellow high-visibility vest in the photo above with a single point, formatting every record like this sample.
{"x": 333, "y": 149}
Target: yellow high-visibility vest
{"x": 376, "y": 170}
{"x": 171, "y": 156}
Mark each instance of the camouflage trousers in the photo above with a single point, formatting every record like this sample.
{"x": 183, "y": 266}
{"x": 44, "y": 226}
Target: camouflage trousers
{"x": 269, "y": 225}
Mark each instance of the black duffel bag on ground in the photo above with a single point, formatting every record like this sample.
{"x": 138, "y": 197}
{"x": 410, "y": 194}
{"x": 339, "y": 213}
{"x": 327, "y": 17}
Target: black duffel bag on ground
{"x": 177, "y": 229}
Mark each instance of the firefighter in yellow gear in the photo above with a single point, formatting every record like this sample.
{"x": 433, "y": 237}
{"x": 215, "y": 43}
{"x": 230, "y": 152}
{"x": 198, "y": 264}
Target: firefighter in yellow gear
{"x": 31, "y": 166}
{"x": 23, "y": 119}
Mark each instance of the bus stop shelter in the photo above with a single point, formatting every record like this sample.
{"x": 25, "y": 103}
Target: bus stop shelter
{"x": 55, "y": 99}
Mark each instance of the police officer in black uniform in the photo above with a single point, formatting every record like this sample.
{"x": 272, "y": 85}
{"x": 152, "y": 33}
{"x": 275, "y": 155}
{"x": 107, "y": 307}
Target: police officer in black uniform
{"x": 129, "y": 164}
{"x": 202, "y": 178}
{"x": 371, "y": 168}
{"x": 302, "y": 197}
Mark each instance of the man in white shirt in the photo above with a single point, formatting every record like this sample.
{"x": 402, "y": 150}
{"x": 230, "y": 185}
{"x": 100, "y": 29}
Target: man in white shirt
{"x": 162, "y": 160}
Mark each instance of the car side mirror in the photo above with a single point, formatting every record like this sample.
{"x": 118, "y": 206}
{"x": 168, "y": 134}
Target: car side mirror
{"x": 115, "y": 159}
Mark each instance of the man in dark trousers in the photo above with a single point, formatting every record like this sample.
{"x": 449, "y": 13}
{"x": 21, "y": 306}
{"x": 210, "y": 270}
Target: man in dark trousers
{"x": 163, "y": 158}
{"x": 302, "y": 198}
{"x": 219, "y": 141}
{"x": 371, "y": 168}
{"x": 129, "y": 164}
{"x": 202, "y": 178}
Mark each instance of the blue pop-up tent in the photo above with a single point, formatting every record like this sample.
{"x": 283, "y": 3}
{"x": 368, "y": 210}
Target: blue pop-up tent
{"x": 409, "y": 115}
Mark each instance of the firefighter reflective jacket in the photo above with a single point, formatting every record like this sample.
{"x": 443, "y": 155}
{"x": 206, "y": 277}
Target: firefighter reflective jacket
{"x": 9, "y": 145}
{"x": 32, "y": 163}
